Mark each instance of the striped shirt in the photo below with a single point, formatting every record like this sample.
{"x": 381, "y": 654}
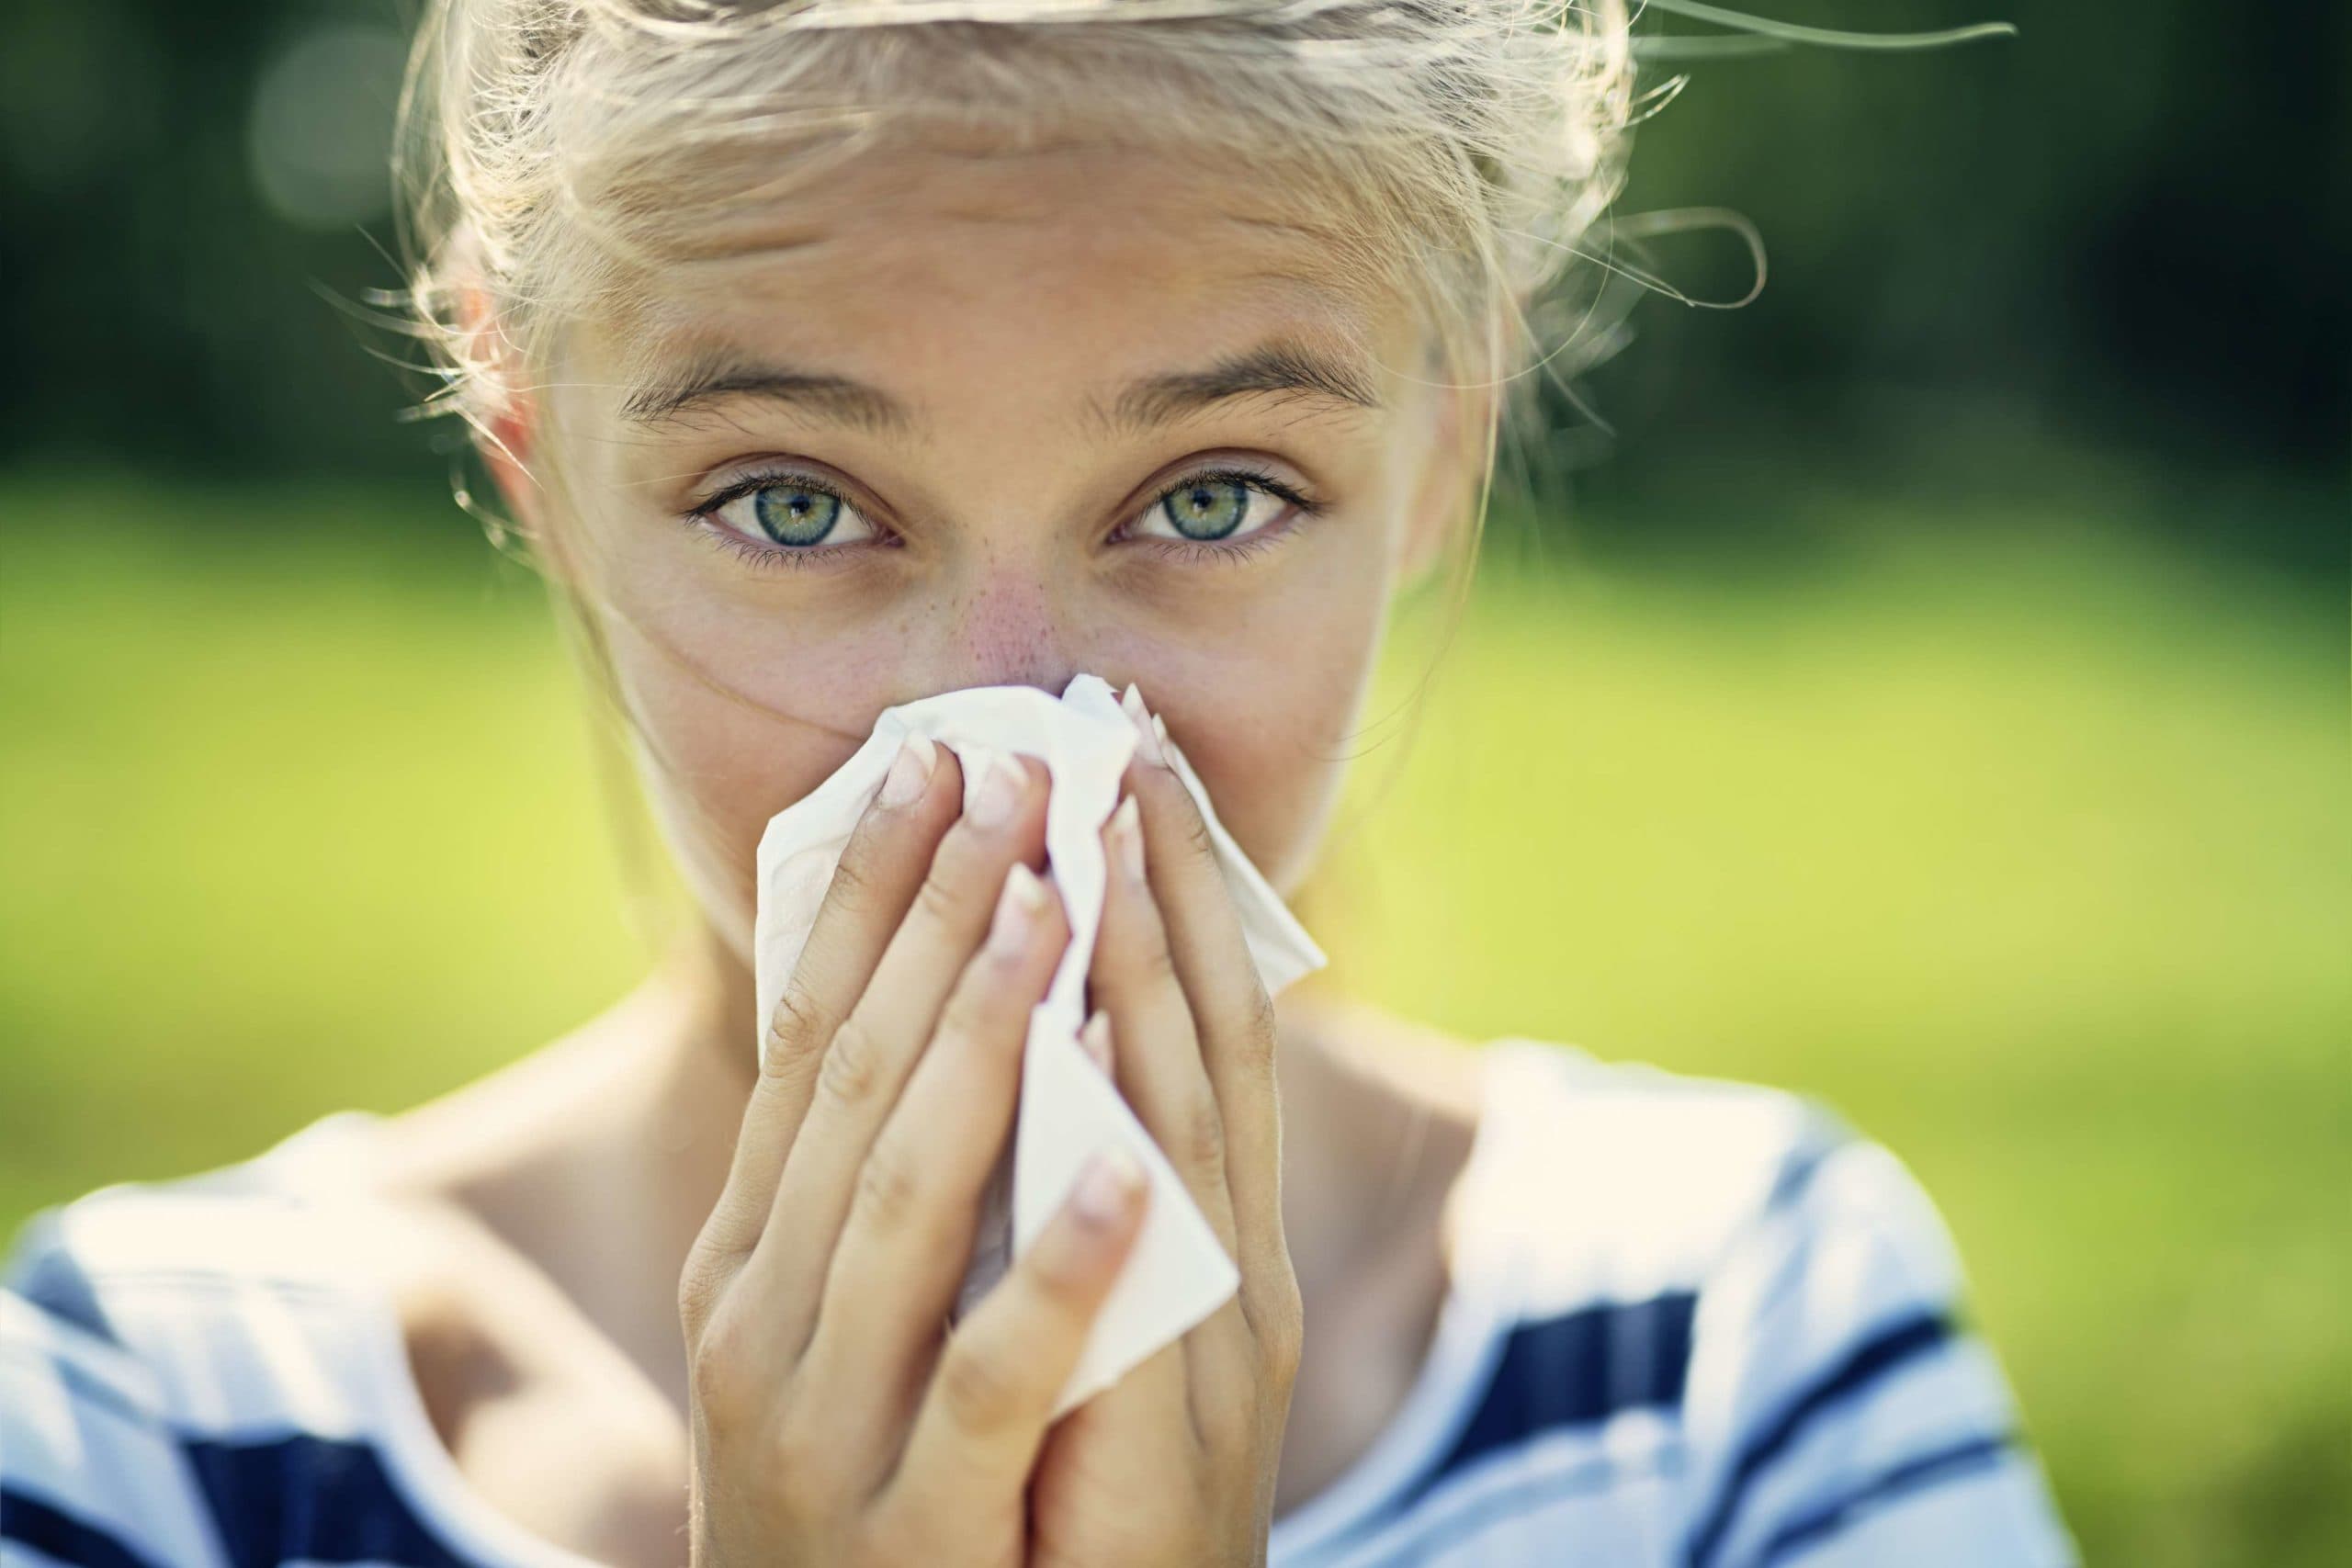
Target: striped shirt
{"x": 1688, "y": 1323}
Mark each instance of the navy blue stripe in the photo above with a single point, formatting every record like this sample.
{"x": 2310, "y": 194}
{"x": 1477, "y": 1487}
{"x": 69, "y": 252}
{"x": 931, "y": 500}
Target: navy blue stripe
{"x": 1963, "y": 1458}
{"x": 312, "y": 1498}
{"x": 318, "y": 1499}
{"x": 1883, "y": 1353}
{"x": 59, "y": 1535}
{"x": 1580, "y": 1368}
{"x": 1575, "y": 1369}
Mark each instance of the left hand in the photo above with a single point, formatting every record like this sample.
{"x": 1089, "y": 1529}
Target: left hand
{"x": 1175, "y": 1463}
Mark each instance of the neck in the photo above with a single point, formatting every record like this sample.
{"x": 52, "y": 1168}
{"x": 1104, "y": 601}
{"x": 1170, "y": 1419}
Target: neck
{"x": 626, "y": 1129}
{"x": 1340, "y": 1119}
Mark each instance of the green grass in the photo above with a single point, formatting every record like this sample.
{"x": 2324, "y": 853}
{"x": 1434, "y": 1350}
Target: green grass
{"x": 2020, "y": 839}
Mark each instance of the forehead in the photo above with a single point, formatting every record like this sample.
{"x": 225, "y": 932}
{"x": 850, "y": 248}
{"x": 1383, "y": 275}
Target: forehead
{"x": 947, "y": 273}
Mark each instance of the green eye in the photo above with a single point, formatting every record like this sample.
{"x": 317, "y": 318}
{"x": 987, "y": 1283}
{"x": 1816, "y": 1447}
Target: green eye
{"x": 1208, "y": 509}
{"x": 1231, "y": 510}
{"x": 783, "y": 516}
{"x": 795, "y": 513}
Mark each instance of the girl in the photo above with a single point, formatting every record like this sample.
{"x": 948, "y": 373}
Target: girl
{"x": 834, "y": 353}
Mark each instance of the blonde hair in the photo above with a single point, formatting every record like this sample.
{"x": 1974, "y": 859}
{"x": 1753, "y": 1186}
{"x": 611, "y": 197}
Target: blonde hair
{"x": 555, "y": 153}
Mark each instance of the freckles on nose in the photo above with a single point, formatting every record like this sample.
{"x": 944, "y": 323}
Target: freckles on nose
{"x": 1007, "y": 632}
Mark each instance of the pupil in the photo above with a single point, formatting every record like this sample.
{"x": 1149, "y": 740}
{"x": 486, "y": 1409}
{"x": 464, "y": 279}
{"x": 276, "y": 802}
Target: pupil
{"x": 794, "y": 514}
{"x": 1209, "y": 511}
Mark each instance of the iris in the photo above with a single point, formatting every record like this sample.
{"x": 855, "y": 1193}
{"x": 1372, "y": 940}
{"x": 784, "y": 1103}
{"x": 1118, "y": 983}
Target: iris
{"x": 1208, "y": 509}
{"x": 795, "y": 515}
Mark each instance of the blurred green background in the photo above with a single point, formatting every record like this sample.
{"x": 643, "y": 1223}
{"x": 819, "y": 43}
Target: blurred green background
{"x": 1926, "y": 687}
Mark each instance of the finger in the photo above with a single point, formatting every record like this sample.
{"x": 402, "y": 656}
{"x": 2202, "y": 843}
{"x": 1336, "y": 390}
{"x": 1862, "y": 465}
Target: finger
{"x": 1134, "y": 981}
{"x": 1149, "y": 1409}
{"x": 881, "y": 868}
{"x": 988, "y": 1405}
{"x": 866, "y": 1062}
{"x": 1231, "y": 1011}
{"x": 1095, "y": 1041}
{"x": 909, "y": 1236}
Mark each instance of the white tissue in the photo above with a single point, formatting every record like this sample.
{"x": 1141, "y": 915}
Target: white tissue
{"x": 1178, "y": 1273}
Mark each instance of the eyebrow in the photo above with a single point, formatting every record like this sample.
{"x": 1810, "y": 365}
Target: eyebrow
{"x": 712, "y": 379}
{"x": 1283, "y": 366}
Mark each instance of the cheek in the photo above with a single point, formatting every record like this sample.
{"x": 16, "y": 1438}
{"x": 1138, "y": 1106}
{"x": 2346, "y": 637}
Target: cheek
{"x": 1266, "y": 705}
{"x": 740, "y": 709}
{"x": 717, "y": 760}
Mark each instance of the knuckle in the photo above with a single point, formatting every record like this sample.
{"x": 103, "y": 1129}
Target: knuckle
{"x": 795, "y": 1029}
{"x": 720, "y": 1371}
{"x": 1135, "y": 948}
{"x": 853, "y": 1069}
{"x": 940, "y": 901}
{"x": 1053, "y": 921}
{"x": 700, "y": 1287}
{"x": 1230, "y": 1418}
{"x": 1058, "y": 1280}
{"x": 975, "y": 1020}
{"x": 1157, "y": 961}
{"x": 853, "y": 883}
{"x": 976, "y": 999}
{"x": 978, "y": 1392}
{"x": 1279, "y": 1321}
{"x": 1194, "y": 827}
{"x": 1200, "y": 1132}
{"x": 888, "y": 1192}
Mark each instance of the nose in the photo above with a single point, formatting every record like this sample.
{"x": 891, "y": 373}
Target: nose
{"x": 1009, "y": 629}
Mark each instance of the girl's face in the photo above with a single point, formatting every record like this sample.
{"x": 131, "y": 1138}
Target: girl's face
{"x": 961, "y": 420}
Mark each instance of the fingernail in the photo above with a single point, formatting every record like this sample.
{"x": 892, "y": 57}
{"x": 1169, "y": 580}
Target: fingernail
{"x": 1096, "y": 1040}
{"x": 1127, "y": 839}
{"x": 1147, "y": 736}
{"x": 1160, "y": 733}
{"x": 909, "y": 773}
{"x": 1106, "y": 1187}
{"x": 1017, "y": 908}
{"x": 1000, "y": 792}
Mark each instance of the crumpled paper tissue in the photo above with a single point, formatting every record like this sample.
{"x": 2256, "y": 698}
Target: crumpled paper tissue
{"x": 1177, "y": 1273}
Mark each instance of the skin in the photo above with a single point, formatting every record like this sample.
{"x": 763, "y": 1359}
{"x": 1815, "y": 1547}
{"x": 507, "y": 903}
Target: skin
{"x": 557, "y": 1226}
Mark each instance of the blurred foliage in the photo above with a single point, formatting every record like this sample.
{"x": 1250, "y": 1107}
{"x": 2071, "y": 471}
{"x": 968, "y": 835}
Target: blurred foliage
{"x": 1950, "y": 823}
{"x": 1931, "y": 694}
{"x": 2123, "y": 229}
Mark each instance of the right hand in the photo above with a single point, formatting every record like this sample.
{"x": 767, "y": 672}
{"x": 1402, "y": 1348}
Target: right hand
{"x": 835, "y": 1420}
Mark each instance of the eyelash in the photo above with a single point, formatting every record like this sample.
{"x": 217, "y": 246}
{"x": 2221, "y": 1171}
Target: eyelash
{"x": 803, "y": 557}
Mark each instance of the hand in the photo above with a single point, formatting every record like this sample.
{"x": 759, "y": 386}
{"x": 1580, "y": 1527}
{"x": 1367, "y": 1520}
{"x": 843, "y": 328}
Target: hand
{"x": 834, "y": 1422}
{"x": 1175, "y": 1463}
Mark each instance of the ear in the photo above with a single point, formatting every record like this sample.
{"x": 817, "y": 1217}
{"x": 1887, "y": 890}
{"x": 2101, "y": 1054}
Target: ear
{"x": 1448, "y": 486}
{"x": 506, "y": 430}
{"x": 506, "y": 438}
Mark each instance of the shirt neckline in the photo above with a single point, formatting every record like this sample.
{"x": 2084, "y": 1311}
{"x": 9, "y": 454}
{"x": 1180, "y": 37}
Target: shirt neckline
{"x": 1459, "y": 1363}
{"x": 315, "y": 1165}
{"x": 1480, "y": 1288}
